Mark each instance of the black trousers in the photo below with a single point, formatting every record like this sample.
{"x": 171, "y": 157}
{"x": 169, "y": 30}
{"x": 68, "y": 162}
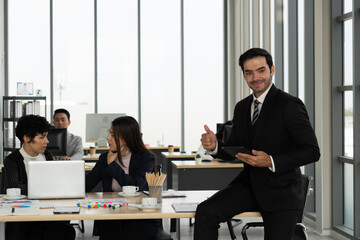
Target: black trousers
{"x": 236, "y": 199}
{"x": 144, "y": 229}
{"x": 49, "y": 230}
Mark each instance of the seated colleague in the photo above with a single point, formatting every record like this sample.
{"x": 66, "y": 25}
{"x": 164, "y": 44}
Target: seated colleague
{"x": 126, "y": 163}
{"x": 32, "y": 132}
{"x": 74, "y": 148}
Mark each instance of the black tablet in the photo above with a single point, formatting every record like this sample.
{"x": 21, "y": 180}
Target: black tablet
{"x": 234, "y": 150}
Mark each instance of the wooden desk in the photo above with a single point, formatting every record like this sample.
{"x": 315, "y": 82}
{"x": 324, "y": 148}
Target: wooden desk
{"x": 89, "y": 166}
{"x": 214, "y": 175}
{"x": 88, "y": 158}
{"x": 151, "y": 148}
{"x": 97, "y": 150}
{"x": 167, "y": 164}
{"x": 166, "y": 211}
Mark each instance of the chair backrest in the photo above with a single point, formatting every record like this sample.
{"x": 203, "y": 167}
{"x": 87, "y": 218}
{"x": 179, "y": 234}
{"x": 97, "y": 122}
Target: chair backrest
{"x": 306, "y": 184}
{"x": 158, "y": 168}
{"x": 2, "y": 185}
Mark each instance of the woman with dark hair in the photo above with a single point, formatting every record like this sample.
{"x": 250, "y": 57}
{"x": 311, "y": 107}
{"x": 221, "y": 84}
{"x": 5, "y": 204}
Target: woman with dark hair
{"x": 126, "y": 163}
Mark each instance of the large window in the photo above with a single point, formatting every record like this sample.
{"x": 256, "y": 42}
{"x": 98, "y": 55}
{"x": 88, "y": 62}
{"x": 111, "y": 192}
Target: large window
{"x": 160, "y": 72}
{"x": 117, "y": 56}
{"x": 345, "y": 145}
{"x": 204, "y": 84}
{"x": 73, "y": 57}
{"x": 29, "y": 45}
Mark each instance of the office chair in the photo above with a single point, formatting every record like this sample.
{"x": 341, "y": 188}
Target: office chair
{"x": 300, "y": 229}
{"x": 2, "y": 185}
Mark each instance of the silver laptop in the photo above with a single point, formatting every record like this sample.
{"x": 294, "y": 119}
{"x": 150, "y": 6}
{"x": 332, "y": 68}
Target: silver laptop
{"x": 56, "y": 179}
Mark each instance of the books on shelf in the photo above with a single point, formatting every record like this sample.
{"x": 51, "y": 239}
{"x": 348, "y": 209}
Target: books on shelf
{"x": 18, "y": 108}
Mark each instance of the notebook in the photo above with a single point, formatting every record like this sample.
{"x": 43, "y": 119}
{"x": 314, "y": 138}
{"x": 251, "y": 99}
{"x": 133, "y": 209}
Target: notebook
{"x": 56, "y": 179}
{"x": 184, "y": 207}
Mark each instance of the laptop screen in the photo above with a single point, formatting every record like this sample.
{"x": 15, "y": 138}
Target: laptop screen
{"x": 56, "y": 179}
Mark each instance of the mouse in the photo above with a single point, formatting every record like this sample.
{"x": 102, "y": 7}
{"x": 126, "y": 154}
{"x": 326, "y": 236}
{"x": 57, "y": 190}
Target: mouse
{"x": 206, "y": 160}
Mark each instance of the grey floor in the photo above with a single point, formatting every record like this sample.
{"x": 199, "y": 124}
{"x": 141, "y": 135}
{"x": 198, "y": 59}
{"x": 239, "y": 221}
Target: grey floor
{"x": 187, "y": 231}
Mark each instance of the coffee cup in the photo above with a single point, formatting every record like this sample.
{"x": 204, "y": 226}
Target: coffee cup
{"x": 13, "y": 192}
{"x": 92, "y": 150}
{"x": 149, "y": 202}
{"x": 130, "y": 189}
{"x": 170, "y": 149}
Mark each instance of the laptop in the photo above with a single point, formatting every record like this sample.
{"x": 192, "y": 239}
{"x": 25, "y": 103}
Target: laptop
{"x": 56, "y": 179}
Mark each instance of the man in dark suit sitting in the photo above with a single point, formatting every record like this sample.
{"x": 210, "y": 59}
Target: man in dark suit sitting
{"x": 275, "y": 127}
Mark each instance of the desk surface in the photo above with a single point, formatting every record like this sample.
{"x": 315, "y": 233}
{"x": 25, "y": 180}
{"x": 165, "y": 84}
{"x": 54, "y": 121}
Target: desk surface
{"x": 166, "y": 211}
{"x": 89, "y": 166}
{"x": 149, "y": 147}
{"x": 178, "y": 155}
{"x": 212, "y": 164}
{"x": 93, "y": 157}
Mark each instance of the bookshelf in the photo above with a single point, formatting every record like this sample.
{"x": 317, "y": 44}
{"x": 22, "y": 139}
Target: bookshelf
{"x": 13, "y": 108}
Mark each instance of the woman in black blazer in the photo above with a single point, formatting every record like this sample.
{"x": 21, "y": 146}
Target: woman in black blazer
{"x": 126, "y": 163}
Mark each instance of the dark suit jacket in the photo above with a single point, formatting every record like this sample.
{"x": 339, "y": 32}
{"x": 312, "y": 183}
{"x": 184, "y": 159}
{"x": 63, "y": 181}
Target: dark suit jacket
{"x": 140, "y": 163}
{"x": 283, "y": 130}
{"x": 15, "y": 173}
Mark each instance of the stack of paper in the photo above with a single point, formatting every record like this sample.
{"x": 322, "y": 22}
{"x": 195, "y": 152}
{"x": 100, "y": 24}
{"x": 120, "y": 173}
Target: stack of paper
{"x": 184, "y": 207}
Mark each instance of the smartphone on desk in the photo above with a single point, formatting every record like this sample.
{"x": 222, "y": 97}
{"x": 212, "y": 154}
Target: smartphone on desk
{"x": 235, "y": 150}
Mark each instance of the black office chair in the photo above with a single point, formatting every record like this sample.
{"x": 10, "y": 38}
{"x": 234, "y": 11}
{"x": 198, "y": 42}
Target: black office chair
{"x": 300, "y": 229}
{"x": 2, "y": 185}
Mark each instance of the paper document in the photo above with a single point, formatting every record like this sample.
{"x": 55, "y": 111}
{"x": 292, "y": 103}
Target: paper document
{"x": 184, "y": 207}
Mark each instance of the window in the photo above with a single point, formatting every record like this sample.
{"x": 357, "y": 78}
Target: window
{"x": 73, "y": 57}
{"x": 29, "y": 45}
{"x": 109, "y": 57}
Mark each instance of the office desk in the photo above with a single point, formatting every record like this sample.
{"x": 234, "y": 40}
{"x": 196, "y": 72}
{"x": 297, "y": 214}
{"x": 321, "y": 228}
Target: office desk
{"x": 166, "y": 211}
{"x": 167, "y": 164}
{"x": 89, "y": 166}
{"x": 155, "y": 150}
{"x": 187, "y": 175}
{"x": 97, "y": 150}
{"x": 94, "y": 157}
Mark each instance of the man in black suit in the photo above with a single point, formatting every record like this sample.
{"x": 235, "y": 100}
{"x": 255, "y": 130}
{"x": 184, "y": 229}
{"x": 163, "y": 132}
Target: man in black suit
{"x": 275, "y": 127}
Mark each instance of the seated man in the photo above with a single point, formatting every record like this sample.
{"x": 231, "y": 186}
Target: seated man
{"x": 74, "y": 148}
{"x": 32, "y": 132}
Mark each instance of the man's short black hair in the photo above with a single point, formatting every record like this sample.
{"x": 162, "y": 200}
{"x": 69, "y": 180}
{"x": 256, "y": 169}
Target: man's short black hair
{"x": 31, "y": 125}
{"x": 62, "y": 110}
{"x": 255, "y": 52}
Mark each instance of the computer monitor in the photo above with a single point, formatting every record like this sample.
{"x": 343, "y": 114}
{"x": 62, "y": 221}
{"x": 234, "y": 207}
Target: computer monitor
{"x": 97, "y": 127}
{"x": 57, "y": 141}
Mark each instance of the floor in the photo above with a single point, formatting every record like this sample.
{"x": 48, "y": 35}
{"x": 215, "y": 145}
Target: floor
{"x": 187, "y": 231}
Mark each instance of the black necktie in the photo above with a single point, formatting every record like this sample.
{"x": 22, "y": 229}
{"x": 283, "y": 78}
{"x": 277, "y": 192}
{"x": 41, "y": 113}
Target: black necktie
{"x": 256, "y": 112}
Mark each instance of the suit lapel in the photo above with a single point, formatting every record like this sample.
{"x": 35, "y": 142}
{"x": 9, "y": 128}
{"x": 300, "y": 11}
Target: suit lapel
{"x": 265, "y": 113}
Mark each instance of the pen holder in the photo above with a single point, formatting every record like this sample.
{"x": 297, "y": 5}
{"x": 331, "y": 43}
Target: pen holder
{"x": 156, "y": 192}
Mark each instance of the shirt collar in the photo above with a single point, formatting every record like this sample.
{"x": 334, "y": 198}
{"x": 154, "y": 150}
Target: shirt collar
{"x": 261, "y": 99}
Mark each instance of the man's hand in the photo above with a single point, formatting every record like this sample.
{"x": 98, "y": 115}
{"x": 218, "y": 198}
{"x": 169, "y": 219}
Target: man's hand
{"x": 258, "y": 159}
{"x": 111, "y": 157}
{"x": 66, "y": 158}
{"x": 208, "y": 139}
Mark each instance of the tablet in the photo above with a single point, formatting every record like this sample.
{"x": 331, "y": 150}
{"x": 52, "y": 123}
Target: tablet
{"x": 234, "y": 150}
